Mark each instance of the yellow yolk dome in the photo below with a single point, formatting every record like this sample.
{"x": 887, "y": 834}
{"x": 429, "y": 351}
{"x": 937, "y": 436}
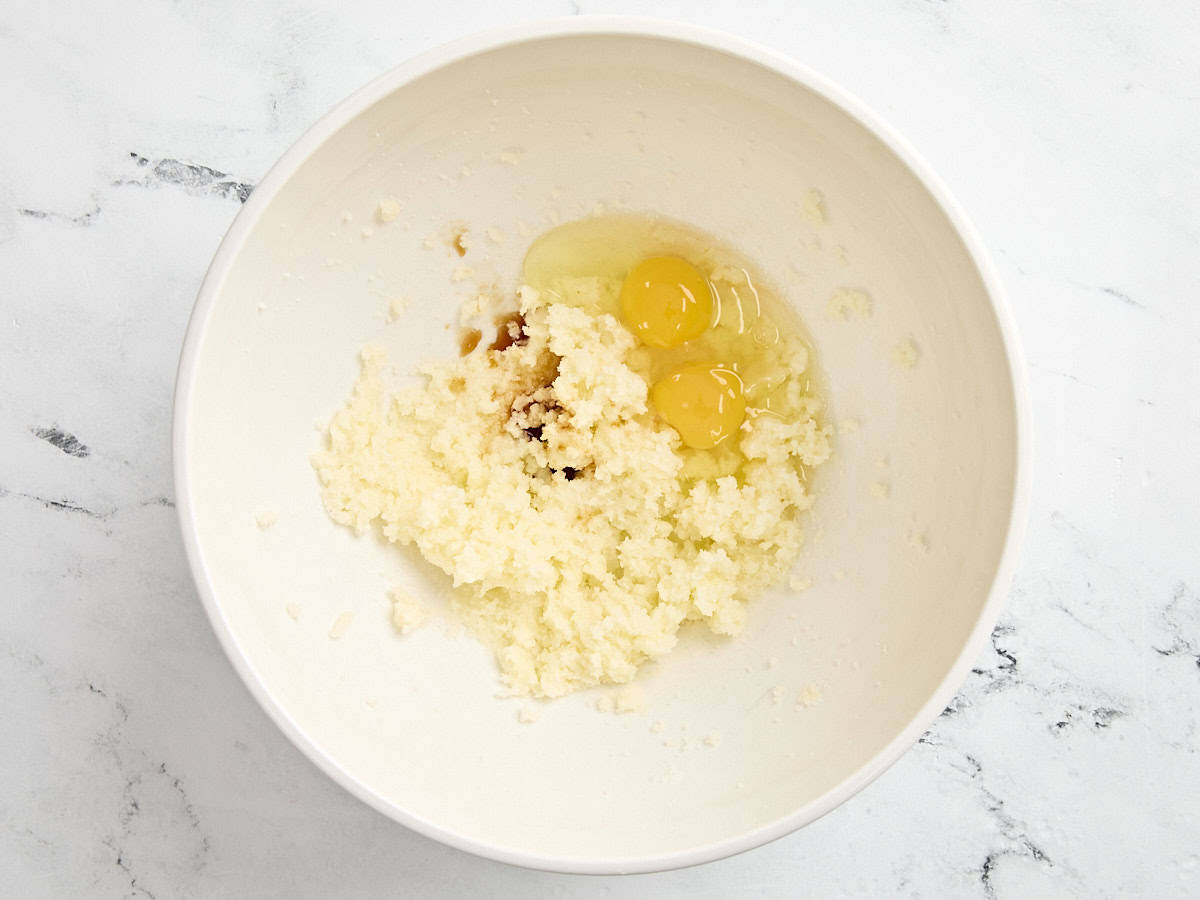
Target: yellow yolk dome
{"x": 703, "y": 401}
{"x": 666, "y": 301}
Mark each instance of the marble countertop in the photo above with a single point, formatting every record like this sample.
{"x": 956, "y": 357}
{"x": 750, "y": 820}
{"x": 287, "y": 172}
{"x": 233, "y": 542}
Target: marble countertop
{"x": 136, "y": 764}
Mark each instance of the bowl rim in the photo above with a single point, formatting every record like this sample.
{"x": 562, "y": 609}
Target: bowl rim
{"x": 627, "y": 26}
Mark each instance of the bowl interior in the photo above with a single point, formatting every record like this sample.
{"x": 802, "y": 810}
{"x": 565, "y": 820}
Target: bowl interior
{"x": 516, "y": 138}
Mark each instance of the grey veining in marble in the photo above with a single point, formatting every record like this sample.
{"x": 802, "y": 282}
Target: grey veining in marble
{"x": 135, "y": 764}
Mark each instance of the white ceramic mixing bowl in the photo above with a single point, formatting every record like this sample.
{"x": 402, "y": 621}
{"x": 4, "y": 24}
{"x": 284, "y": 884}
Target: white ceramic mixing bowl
{"x": 740, "y": 740}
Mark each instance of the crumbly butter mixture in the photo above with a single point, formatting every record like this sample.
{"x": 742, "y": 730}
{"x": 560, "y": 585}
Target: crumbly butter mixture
{"x": 538, "y": 477}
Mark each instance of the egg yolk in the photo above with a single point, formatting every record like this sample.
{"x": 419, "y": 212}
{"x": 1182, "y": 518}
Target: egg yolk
{"x": 703, "y": 401}
{"x": 666, "y": 301}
